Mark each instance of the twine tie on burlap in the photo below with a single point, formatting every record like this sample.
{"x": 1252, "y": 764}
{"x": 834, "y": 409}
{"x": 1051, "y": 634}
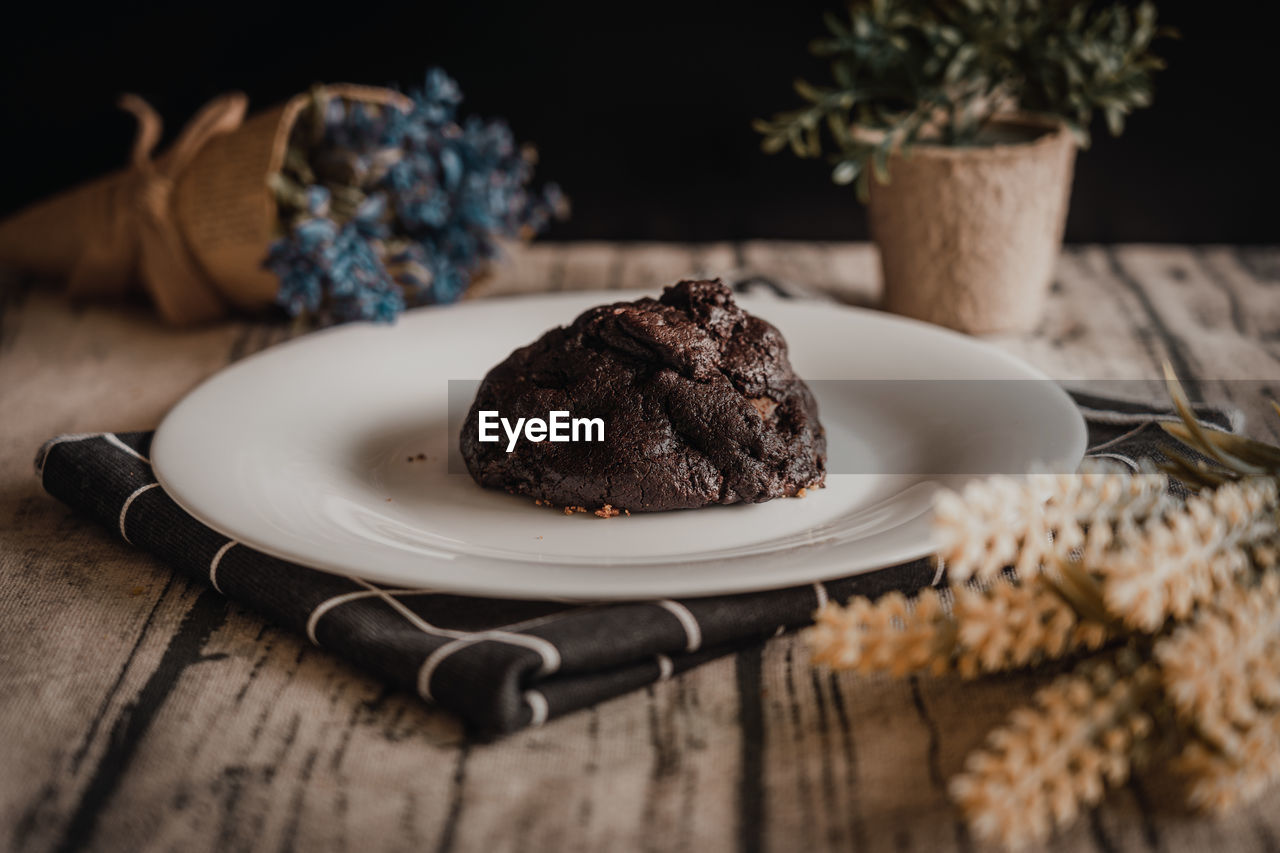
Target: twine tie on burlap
{"x": 139, "y": 238}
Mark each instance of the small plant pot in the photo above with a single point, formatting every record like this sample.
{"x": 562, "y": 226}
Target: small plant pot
{"x": 968, "y": 235}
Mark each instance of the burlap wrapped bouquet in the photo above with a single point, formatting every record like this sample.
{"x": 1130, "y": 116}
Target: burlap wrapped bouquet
{"x": 201, "y": 228}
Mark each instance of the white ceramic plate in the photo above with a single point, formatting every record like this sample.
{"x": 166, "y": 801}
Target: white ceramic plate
{"x": 302, "y": 451}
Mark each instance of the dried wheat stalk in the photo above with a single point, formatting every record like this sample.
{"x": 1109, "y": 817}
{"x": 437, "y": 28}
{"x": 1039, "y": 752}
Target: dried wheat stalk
{"x": 1173, "y": 609}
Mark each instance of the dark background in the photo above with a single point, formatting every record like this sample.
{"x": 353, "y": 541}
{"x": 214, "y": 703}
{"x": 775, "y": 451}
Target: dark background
{"x": 641, "y": 111}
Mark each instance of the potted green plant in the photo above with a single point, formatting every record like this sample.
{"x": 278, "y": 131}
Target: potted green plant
{"x": 958, "y": 121}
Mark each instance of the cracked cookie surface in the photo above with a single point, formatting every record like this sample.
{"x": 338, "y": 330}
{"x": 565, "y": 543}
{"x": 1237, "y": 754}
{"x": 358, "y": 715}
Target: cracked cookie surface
{"x": 698, "y": 398}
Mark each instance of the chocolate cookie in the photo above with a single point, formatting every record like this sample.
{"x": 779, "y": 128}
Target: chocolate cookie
{"x": 699, "y": 403}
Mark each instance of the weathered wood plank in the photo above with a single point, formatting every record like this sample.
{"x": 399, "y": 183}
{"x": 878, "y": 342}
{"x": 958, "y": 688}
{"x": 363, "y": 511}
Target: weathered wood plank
{"x": 805, "y": 264}
{"x": 141, "y": 712}
{"x": 85, "y": 624}
{"x": 295, "y": 751}
{"x": 1093, "y": 331}
{"x": 714, "y": 260}
{"x": 849, "y": 271}
{"x": 1202, "y": 315}
{"x": 1252, "y": 290}
{"x": 591, "y": 266}
{"x": 653, "y": 266}
{"x": 527, "y": 268}
{"x": 652, "y": 770}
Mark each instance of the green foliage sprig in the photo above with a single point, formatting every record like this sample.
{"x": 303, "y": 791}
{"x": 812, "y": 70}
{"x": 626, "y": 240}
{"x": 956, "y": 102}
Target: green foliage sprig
{"x": 908, "y": 71}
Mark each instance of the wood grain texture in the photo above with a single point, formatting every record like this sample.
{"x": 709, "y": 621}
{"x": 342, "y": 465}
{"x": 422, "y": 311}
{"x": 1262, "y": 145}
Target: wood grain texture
{"x": 140, "y": 712}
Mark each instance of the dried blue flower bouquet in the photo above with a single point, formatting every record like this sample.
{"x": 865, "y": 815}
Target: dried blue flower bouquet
{"x": 384, "y": 208}
{"x": 344, "y": 203}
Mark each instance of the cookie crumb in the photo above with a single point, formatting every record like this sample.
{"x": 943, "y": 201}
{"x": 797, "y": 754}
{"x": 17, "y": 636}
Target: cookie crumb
{"x": 388, "y": 500}
{"x": 801, "y": 492}
{"x": 764, "y": 405}
{"x": 421, "y": 457}
{"x": 607, "y": 511}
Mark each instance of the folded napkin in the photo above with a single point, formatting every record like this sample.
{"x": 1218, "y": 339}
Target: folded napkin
{"x": 500, "y": 665}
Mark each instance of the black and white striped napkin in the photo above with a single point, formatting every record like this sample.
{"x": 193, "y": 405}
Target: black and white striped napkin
{"x": 500, "y": 665}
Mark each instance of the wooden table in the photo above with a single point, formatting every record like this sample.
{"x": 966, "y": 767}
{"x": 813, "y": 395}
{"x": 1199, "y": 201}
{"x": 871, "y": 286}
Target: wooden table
{"x": 141, "y": 712}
